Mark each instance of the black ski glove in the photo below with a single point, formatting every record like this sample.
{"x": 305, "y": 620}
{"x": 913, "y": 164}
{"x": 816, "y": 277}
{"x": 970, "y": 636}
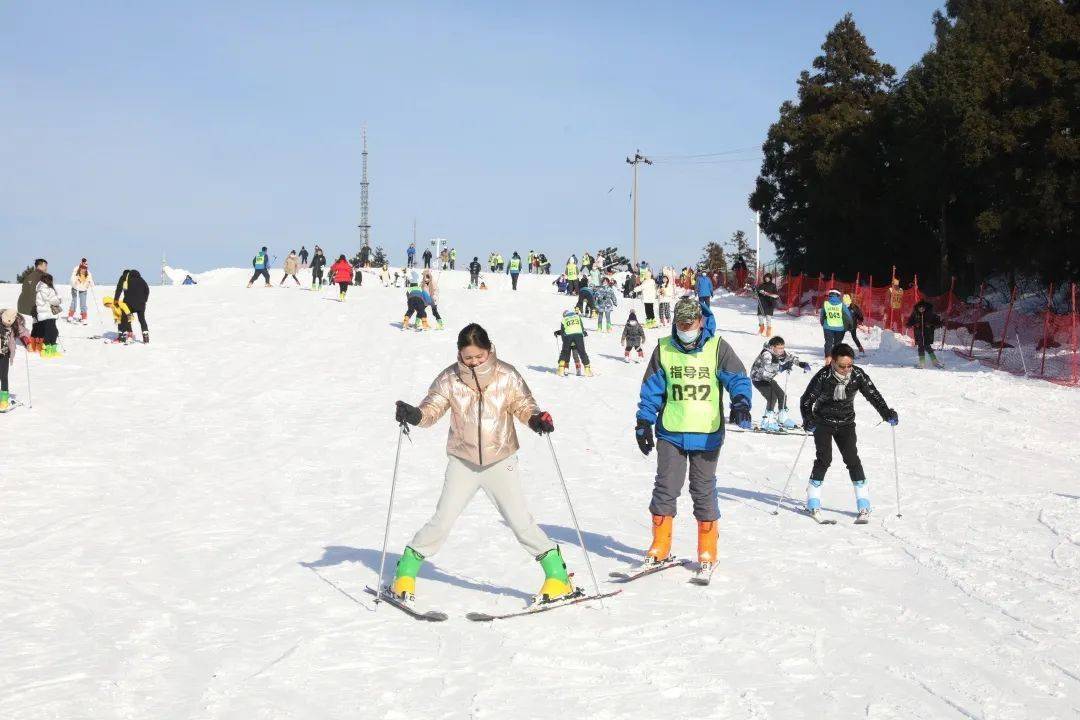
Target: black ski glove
{"x": 891, "y": 417}
{"x": 644, "y": 436}
{"x": 809, "y": 423}
{"x": 805, "y": 366}
{"x": 407, "y": 413}
{"x": 740, "y": 414}
{"x": 541, "y": 423}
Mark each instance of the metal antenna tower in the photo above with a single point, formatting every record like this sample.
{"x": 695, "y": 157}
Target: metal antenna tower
{"x": 365, "y": 227}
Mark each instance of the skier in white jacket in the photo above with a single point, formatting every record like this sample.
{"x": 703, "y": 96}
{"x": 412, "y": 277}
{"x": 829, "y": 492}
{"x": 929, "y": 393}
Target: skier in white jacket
{"x": 48, "y": 305}
{"x": 81, "y": 281}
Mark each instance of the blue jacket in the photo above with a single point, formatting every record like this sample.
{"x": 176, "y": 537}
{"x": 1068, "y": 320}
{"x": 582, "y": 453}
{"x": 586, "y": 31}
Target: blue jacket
{"x": 729, "y": 371}
{"x": 848, "y": 322}
{"x": 704, "y": 286}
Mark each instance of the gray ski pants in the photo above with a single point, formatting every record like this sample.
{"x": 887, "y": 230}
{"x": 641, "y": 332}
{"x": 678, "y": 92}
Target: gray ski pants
{"x": 500, "y": 482}
{"x": 671, "y": 465}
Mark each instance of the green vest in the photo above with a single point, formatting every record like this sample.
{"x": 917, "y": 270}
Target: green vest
{"x": 642, "y": 273}
{"x": 571, "y": 271}
{"x": 834, "y": 316}
{"x": 572, "y": 325}
{"x": 260, "y": 259}
{"x": 453, "y": 254}
{"x": 515, "y": 265}
{"x": 693, "y": 401}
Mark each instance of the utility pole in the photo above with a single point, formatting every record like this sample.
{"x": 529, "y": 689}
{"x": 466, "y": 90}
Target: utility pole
{"x": 635, "y": 161}
{"x": 365, "y": 227}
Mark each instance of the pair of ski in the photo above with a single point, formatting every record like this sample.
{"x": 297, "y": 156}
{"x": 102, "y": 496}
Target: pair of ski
{"x": 820, "y": 519}
{"x": 579, "y": 596}
{"x": 702, "y": 576}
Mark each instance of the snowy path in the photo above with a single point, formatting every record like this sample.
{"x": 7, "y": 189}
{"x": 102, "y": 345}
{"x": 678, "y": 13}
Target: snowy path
{"x": 186, "y": 529}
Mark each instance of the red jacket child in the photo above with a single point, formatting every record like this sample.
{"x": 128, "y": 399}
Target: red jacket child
{"x": 341, "y": 271}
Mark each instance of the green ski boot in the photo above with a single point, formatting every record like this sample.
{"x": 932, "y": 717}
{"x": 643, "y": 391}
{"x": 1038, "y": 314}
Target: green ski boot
{"x": 557, "y": 583}
{"x": 408, "y": 566}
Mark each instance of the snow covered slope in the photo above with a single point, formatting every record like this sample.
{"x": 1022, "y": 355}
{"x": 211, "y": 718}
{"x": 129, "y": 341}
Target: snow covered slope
{"x": 186, "y": 529}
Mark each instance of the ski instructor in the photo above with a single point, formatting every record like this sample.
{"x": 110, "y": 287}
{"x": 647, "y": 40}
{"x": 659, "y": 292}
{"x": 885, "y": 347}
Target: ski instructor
{"x": 682, "y": 394}
{"x": 484, "y": 395}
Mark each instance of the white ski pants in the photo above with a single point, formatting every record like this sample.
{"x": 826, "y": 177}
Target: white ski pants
{"x": 500, "y": 482}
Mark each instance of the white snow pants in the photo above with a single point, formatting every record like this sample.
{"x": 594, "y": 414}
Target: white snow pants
{"x": 501, "y": 484}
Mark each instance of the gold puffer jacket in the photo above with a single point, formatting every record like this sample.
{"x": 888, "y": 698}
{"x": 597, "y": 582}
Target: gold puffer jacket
{"x": 483, "y": 402}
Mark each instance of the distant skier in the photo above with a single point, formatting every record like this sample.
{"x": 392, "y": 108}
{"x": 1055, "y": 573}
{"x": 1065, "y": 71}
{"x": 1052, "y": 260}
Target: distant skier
{"x": 633, "y": 337}
{"x": 453, "y": 257}
{"x": 291, "y": 266}
{"x": 384, "y": 275}
{"x": 48, "y": 307}
{"x": 27, "y": 303}
{"x": 894, "y": 320}
{"x": 303, "y": 256}
{"x": 571, "y": 274}
{"x": 772, "y": 360}
{"x": 474, "y": 273}
{"x": 573, "y": 335}
{"x": 835, "y": 320}
{"x": 132, "y": 291}
{"x": 828, "y": 411}
{"x": 584, "y": 305}
{"x": 261, "y": 264}
{"x": 81, "y": 282}
{"x": 514, "y": 269}
{"x": 741, "y": 272}
{"x": 767, "y": 298}
{"x": 924, "y": 322}
{"x": 647, "y": 290}
{"x": 605, "y": 300}
{"x": 12, "y": 331}
{"x": 342, "y": 273}
{"x": 430, "y": 286}
{"x": 857, "y": 318}
{"x": 681, "y": 395}
{"x": 664, "y": 297}
{"x": 704, "y": 287}
{"x": 561, "y": 284}
{"x": 411, "y": 255}
{"x": 482, "y": 447}
{"x": 427, "y": 258}
{"x": 318, "y": 262}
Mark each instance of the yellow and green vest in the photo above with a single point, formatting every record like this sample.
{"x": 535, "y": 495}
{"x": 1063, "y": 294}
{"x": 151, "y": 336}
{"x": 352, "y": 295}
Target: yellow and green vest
{"x": 692, "y": 402}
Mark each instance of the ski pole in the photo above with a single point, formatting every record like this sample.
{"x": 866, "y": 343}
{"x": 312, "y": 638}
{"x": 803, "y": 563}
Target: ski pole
{"x": 794, "y": 465}
{"x": 393, "y": 486}
{"x": 29, "y": 392}
{"x": 573, "y": 516}
{"x": 896, "y": 470}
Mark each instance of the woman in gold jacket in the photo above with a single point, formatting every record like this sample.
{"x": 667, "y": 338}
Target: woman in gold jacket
{"x": 484, "y": 395}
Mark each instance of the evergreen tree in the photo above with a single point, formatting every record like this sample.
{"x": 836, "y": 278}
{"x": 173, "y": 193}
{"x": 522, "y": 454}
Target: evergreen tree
{"x": 378, "y": 257}
{"x": 713, "y": 258}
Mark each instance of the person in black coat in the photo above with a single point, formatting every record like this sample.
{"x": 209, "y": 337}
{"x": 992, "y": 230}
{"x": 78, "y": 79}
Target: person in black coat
{"x": 828, "y": 411}
{"x": 857, "y": 318}
{"x": 133, "y": 291}
{"x": 474, "y": 273}
{"x": 768, "y": 296}
{"x": 924, "y": 322}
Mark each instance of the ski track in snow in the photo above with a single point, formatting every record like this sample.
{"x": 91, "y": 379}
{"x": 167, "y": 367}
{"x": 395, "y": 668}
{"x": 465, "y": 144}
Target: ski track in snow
{"x": 186, "y": 529}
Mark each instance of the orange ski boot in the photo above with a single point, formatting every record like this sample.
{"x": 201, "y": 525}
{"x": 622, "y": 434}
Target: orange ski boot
{"x": 661, "y": 542}
{"x": 707, "y": 532}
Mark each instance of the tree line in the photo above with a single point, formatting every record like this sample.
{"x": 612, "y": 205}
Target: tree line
{"x": 965, "y": 166}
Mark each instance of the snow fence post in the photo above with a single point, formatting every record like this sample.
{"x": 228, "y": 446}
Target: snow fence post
{"x": 974, "y": 316}
{"x": 1046, "y": 327}
{"x": 573, "y": 515}
{"x": 948, "y": 311}
{"x": 1005, "y": 330}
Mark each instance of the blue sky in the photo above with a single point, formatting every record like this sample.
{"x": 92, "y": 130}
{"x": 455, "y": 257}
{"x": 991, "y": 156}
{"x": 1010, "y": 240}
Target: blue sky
{"x": 204, "y": 130}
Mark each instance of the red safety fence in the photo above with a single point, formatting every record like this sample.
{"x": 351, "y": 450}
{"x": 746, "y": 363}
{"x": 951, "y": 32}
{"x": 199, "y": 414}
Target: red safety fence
{"x": 1027, "y": 336}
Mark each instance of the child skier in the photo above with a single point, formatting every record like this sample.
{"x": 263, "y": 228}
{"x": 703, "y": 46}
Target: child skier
{"x": 647, "y": 290}
{"x": 573, "y": 336}
{"x": 857, "y": 318}
{"x": 12, "y": 330}
{"x": 681, "y": 395}
{"x": 774, "y": 359}
{"x": 664, "y": 295}
{"x": 633, "y": 337}
{"x": 384, "y": 275}
{"x": 414, "y": 298}
{"x": 835, "y": 320}
{"x": 924, "y": 321}
{"x": 828, "y": 411}
{"x": 341, "y": 271}
{"x": 261, "y": 264}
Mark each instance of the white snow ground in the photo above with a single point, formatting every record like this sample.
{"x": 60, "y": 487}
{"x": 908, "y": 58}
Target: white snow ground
{"x": 186, "y": 529}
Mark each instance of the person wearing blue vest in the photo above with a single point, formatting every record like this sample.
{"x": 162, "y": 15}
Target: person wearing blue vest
{"x": 835, "y": 321}
{"x": 682, "y": 395}
{"x": 261, "y": 263}
{"x": 704, "y": 287}
{"x": 513, "y": 269}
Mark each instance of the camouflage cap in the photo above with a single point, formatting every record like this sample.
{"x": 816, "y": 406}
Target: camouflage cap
{"x": 687, "y": 309}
